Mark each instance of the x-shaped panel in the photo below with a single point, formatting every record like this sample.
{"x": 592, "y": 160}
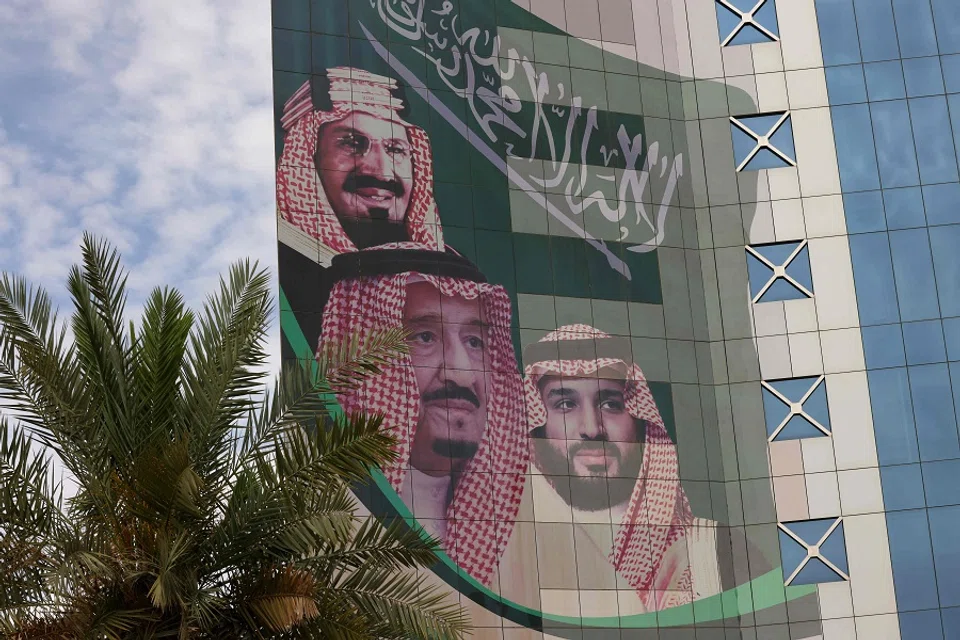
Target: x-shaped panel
{"x": 746, "y": 18}
{"x": 813, "y": 552}
{"x": 779, "y": 271}
{"x": 796, "y": 408}
{"x": 763, "y": 141}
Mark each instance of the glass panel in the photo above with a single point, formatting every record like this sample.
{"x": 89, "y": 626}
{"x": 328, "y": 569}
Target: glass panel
{"x": 940, "y": 482}
{"x": 896, "y": 156}
{"x": 873, "y": 278}
{"x": 933, "y": 409}
{"x": 883, "y": 346}
{"x": 863, "y": 212}
{"x": 944, "y": 525}
{"x": 291, "y": 50}
{"x": 855, "y": 148}
{"x": 910, "y": 554}
{"x": 951, "y": 72}
{"x": 838, "y": 32}
{"x": 946, "y": 15}
{"x": 291, "y": 14}
{"x": 893, "y": 416}
{"x": 931, "y": 122}
{"x": 913, "y": 271}
{"x": 904, "y": 208}
{"x": 951, "y": 336}
{"x": 921, "y": 624}
{"x": 902, "y": 487}
{"x": 915, "y": 28}
{"x": 923, "y": 77}
{"x": 878, "y": 37}
{"x": 924, "y": 342}
{"x": 946, "y": 263}
{"x": 885, "y": 80}
{"x": 940, "y": 201}
{"x": 846, "y": 85}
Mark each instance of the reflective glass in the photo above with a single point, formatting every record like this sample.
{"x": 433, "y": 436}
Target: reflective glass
{"x": 846, "y": 85}
{"x": 951, "y": 336}
{"x": 863, "y": 211}
{"x": 873, "y": 278}
{"x": 946, "y": 15}
{"x": 913, "y": 272}
{"x": 940, "y": 482}
{"x": 944, "y": 525}
{"x": 903, "y": 208}
{"x": 933, "y": 409}
{"x": 896, "y": 155}
{"x": 838, "y": 32}
{"x": 935, "y": 152}
{"x": 953, "y": 102}
{"x": 923, "y": 76}
{"x": 902, "y": 487}
{"x": 946, "y": 264}
{"x": 921, "y": 624}
{"x": 885, "y": 80}
{"x": 910, "y": 553}
{"x": 883, "y": 346}
{"x": 856, "y": 153}
{"x": 951, "y": 73}
{"x": 915, "y": 30}
{"x": 924, "y": 342}
{"x": 878, "y": 36}
{"x": 893, "y": 421}
{"x": 951, "y": 622}
{"x": 940, "y": 201}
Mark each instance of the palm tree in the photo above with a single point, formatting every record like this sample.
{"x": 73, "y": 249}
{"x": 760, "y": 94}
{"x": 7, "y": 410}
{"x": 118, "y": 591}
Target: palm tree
{"x": 204, "y": 507}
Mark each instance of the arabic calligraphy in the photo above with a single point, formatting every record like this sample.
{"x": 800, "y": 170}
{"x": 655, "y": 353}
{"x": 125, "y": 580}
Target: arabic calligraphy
{"x": 610, "y": 175}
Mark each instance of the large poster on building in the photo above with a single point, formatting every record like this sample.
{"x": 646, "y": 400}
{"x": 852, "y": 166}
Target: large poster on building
{"x": 527, "y": 201}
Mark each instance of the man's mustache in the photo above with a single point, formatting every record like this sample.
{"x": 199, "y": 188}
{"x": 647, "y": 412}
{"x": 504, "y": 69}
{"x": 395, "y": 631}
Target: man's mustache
{"x": 593, "y": 445}
{"x": 355, "y": 181}
{"x": 452, "y": 391}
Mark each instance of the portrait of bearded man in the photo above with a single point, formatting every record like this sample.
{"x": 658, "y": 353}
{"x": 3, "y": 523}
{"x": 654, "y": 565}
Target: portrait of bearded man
{"x": 454, "y": 402}
{"x": 353, "y": 172}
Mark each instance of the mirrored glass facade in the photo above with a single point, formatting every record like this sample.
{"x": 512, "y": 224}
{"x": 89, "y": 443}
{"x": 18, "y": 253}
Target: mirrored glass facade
{"x": 682, "y": 287}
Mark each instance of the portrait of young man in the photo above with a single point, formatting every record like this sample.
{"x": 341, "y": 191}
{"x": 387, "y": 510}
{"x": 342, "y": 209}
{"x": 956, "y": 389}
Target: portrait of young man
{"x": 453, "y": 402}
{"x": 603, "y": 461}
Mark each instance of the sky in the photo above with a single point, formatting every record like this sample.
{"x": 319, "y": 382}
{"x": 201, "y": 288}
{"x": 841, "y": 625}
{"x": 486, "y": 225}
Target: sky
{"x": 148, "y": 123}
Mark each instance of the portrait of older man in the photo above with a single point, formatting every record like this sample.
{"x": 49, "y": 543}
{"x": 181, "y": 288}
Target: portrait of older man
{"x": 454, "y": 402}
{"x": 353, "y": 172}
{"x": 601, "y": 453}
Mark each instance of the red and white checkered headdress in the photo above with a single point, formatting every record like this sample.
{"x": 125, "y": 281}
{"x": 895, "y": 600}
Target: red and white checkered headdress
{"x": 300, "y": 196}
{"x": 658, "y": 512}
{"x": 487, "y": 495}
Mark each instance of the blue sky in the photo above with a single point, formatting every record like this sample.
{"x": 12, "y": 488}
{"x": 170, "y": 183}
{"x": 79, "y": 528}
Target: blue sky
{"x": 147, "y": 122}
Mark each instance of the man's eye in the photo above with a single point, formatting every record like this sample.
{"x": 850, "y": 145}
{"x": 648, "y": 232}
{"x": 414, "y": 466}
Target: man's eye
{"x": 564, "y": 405}
{"x": 613, "y": 405}
{"x": 475, "y": 342}
{"x": 423, "y": 337}
{"x": 354, "y": 143}
{"x": 397, "y": 149}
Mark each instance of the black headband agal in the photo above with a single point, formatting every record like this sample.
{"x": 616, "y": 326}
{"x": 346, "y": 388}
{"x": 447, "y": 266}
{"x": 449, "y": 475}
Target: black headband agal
{"x": 617, "y": 348}
{"x": 386, "y": 262}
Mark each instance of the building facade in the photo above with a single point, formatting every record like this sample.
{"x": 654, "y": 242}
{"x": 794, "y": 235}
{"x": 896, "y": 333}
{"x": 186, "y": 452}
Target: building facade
{"x": 683, "y": 290}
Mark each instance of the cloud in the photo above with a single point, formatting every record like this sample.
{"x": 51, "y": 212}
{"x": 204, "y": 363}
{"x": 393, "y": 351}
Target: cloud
{"x": 147, "y": 122}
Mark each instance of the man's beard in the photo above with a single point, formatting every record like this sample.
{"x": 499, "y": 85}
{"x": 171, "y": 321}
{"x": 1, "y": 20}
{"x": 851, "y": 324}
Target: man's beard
{"x": 455, "y": 449}
{"x": 587, "y": 492}
{"x": 375, "y": 230}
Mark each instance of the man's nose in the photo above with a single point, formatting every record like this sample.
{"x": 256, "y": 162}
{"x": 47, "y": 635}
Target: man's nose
{"x": 591, "y": 428}
{"x": 457, "y": 365}
{"x": 376, "y": 162}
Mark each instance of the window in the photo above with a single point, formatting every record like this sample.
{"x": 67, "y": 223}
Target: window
{"x": 747, "y": 21}
{"x": 763, "y": 141}
{"x": 813, "y": 551}
{"x": 796, "y": 408}
{"x": 779, "y": 271}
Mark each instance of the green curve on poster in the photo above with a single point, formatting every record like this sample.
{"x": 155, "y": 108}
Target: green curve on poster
{"x": 760, "y": 593}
